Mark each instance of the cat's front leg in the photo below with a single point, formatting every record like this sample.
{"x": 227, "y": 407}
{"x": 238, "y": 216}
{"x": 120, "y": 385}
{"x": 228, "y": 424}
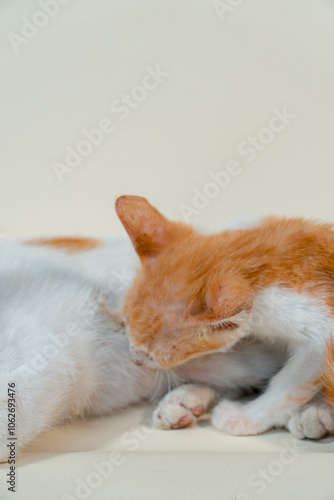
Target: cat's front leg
{"x": 315, "y": 420}
{"x": 180, "y": 407}
{"x": 231, "y": 417}
{"x": 288, "y": 392}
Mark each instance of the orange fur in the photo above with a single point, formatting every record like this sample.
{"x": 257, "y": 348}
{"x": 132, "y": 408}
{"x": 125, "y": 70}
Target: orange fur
{"x": 312, "y": 386}
{"x": 130, "y": 210}
{"x": 70, "y": 245}
{"x": 328, "y": 379}
{"x": 190, "y": 281}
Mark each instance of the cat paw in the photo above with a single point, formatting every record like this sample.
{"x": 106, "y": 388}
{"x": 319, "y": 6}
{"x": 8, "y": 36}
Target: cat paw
{"x": 230, "y": 417}
{"x": 180, "y": 407}
{"x": 312, "y": 422}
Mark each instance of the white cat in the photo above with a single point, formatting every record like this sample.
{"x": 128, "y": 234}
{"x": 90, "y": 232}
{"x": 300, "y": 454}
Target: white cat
{"x": 62, "y": 344}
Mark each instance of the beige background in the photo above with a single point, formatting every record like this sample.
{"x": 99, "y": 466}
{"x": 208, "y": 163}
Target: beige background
{"x": 227, "y": 73}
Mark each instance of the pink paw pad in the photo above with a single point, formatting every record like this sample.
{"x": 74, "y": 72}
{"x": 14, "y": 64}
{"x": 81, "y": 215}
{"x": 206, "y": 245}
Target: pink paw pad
{"x": 198, "y": 410}
{"x": 183, "y": 422}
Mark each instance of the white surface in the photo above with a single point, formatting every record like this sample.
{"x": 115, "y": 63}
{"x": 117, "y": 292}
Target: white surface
{"x": 193, "y": 463}
{"x": 225, "y": 79}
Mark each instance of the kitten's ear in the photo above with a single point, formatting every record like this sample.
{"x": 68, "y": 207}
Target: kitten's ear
{"x": 147, "y": 228}
{"x": 228, "y": 300}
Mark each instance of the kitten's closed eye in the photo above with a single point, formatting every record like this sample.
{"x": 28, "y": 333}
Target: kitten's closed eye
{"x": 226, "y": 325}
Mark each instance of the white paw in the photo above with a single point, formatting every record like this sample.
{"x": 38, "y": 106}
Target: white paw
{"x": 229, "y": 416}
{"x": 180, "y": 407}
{"x": 314, "y": 421}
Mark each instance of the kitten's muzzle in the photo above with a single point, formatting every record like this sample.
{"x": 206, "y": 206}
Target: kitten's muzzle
{"x": 138, "y": 357}
{"x": 142, "y": 358}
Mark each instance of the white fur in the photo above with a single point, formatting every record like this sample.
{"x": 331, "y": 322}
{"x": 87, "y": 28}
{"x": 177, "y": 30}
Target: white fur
{"x": 304, "y": 324}
{"x": 180, "y": 407}
{"x": 68, "y": 355}
{"x": 315, "y": 421}
{"x": 62, "y": 350}
{"x": 280, "y": 317}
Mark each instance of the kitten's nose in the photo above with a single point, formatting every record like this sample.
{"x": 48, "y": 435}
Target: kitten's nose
{"x": 138, "y": 357}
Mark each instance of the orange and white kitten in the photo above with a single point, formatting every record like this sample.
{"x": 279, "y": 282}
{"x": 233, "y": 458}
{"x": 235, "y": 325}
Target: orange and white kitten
{"x": 62, "y": 342}
{"x": 196, "y": 294}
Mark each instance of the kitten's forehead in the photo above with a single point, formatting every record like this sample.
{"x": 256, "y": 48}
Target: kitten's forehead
{"x": 170, "y": 311}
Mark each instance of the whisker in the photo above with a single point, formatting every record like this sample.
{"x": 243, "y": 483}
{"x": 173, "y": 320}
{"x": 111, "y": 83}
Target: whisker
{"x": 158, "y": 383}
{"x": 169, "y": 382}
{"x": 174, "y": 379}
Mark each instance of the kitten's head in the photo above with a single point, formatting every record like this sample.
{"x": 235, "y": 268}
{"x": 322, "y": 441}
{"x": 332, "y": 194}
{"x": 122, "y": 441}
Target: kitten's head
{"x": 181, "y": 305}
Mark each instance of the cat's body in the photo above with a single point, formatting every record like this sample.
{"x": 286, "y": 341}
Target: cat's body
{"x": 197, "y": 294}
{"x": 63, "y": 345}
{"x": 57, "y": 342}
